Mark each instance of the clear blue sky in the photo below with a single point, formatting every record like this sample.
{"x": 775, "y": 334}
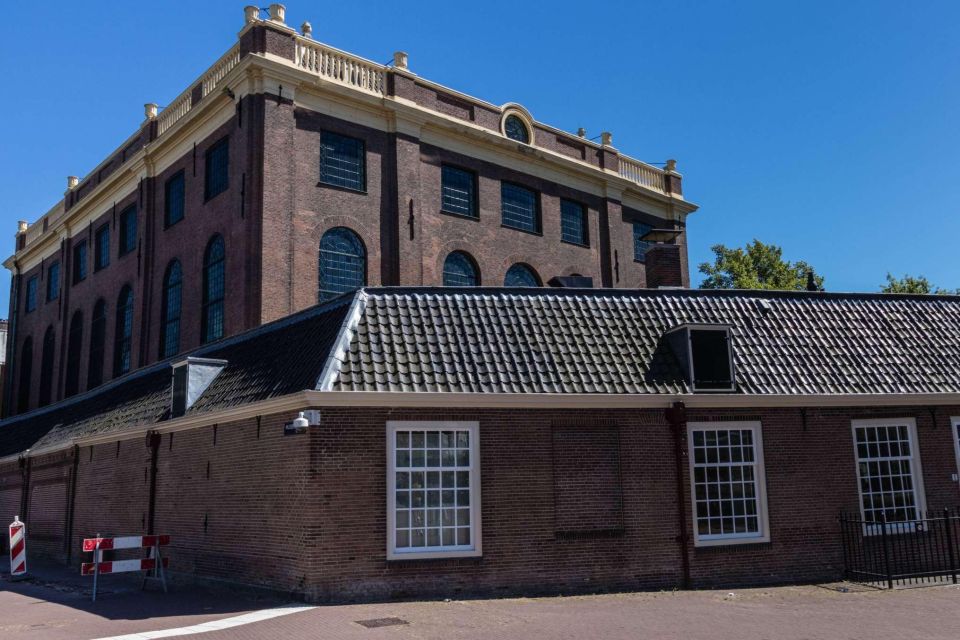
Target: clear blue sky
{"x": 829, "y": 128}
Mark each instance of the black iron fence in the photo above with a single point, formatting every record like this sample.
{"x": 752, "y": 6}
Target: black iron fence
{"x": 910, "y": 552}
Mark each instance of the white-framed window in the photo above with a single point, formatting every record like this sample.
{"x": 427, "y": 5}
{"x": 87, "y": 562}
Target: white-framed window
{"x": 433, "y": 489}
{"x": 728, "y": 483}
{"x": 890, "y": 479}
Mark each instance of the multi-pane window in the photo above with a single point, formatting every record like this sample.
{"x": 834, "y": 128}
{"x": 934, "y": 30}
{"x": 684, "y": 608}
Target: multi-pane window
{"x": 640, "y": 246}
{"x": 343, "y": 263}
{"x": 30, "y": 298}
{"x": 98, "y": 338}
{"x": 727, "y": 477}
{"x": 573, "y": 222}
{"x": 123, "y": 338}
{"x": 433, "y": 489}
{"x": 519, "y": 208}
{"x": 214, "y": 290}
{"x": 101, "y": 250}
{"x": 520, "y": 275}
{"x": 53, "y": 281}
{"x": 46, "y": 367}
{"x": 216, "y": 176}
{"x": 128, "y": 230}
{"x": 515, "y": 129}
{"x": 80, "y": 261}
{"x": 26, "y": 375}
{"x": 342, "y": 161}
{"x": 459, "y": 270}
{"x": 74, "y": 349}
{"x": 170, "y": 333}
{"x": 458, "y": 191}
{"x": 888, "y": 469}
{"x": 173, "y": 201}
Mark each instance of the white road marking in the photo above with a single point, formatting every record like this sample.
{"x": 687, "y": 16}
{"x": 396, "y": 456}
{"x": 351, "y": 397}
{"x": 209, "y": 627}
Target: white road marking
{"x": 214, "y": 625}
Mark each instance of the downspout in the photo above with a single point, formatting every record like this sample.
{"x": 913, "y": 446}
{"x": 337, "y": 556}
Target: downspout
{"x": 153, "y": 443}
{"x": 71, "y": 502}
{"x": 677, "y": 417}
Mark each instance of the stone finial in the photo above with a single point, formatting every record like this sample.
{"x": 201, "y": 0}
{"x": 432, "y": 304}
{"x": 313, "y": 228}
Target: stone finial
{"x": 251, "y": 14}
{"x": 306, "y": 29}
{"x": 72, "y": 182}
{"x": 150, "y": 110}
{"x": 606, "y": 139}
{"x": 278, "y": 13}
{"x": 401, "y": 60}
{"x": 581, "y": 133}
{"x": 22, "y": 226}
{"x": 671, "y": 165}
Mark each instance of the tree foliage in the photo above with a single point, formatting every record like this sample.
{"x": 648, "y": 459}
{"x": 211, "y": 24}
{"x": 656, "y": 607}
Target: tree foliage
{"x": 910, "y": 284}
{"x": 757, "y": 266}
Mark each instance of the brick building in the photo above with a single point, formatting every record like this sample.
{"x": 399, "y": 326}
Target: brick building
{"x": 291, "y": 172}
{"x": 490, "y": 440}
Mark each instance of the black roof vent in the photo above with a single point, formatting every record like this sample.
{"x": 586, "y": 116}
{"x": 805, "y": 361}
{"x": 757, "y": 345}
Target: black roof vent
{"x": 191, "y": 377}
{"x": 705, "y": 353}
{"x": 575, "y": 281}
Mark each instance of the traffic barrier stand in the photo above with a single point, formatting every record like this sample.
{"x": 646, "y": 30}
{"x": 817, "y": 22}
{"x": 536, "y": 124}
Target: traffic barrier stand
{"x": 18, "y": 549}
{"x": 156, "y": 563}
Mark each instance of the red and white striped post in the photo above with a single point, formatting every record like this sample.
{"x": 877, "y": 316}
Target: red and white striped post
{"x": 18, "y": 548}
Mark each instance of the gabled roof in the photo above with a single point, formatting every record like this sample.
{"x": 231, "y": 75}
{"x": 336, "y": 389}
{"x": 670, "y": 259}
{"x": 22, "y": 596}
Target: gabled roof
{"x": 536, "y": 341}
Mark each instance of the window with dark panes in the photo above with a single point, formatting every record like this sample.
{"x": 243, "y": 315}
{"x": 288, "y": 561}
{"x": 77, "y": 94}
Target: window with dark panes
{"x": 74, "y": 349}
{"x": 46, "y": 367}
{"x": 519, "y": 207}
{"x": 128, "y": 230}
{"x": 712, "y": 366}
{"x": 80, "y": 261}
{"x": 458, "y": 191}
{"x": 216, "y": 175}
{"x": 26, "y": 375}
{"x": 888, "y": 465}
{"x": 343, "y": 263}
{"x": 213, "y": 290}
{"x": 516, "y": 129}
{"x": 173, "y": 200}
{"x": 573, "y": 222}
{"x": 98, "y": 339}
{"x": 170, "y": 333}
{"x": 342, "y": 161}
{"x": 53, "y": 281}
{"x": 459, "y": 270}
{"x": 30, "y": 297}
{"x": 101, "y": 252}
{"x": 123, "y": 338}
{"x": 520, "y": 275}
{"x": 640, "y": 246}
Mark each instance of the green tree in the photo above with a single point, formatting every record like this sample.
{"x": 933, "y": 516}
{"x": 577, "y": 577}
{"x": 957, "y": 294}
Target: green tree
{"x": 757, "y": 266}
{"x": 909, "y": 284}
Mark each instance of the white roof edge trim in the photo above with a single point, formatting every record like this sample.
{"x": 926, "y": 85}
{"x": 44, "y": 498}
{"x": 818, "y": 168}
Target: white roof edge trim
{"x": 338, "y": 352}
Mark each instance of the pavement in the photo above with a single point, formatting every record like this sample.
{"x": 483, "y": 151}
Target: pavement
{"x": 55, "y": 604}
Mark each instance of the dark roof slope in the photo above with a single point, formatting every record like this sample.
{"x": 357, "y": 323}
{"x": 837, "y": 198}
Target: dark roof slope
{"x": 608, "y": 341}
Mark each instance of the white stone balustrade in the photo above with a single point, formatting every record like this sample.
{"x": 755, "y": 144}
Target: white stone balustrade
{"x": 340, "y": 67}
{"x": 642, "y": 173}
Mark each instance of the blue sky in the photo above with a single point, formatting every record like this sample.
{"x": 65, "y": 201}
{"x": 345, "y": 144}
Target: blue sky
{"x": 829, "y": 128}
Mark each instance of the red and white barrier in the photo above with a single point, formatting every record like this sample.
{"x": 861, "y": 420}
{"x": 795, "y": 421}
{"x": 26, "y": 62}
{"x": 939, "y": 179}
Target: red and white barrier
{"x": 124, "y": 542}
{"x": 121, "y": 566}
{"x": 18, "y": 548}
{"x": 98, "y": 545}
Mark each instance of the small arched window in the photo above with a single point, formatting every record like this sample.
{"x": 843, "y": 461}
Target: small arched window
{"x": 26, "y": 374}
{"x": 459, "y": 270}
{"x": 170, "y": 332}
{"x": 343, "y": 263}
{"x": 521, "y": 275}
{"x": 46, "y": 367}
{"x": 516, "y": 129}
{"x": 74, "y": 349}
{"x": 123, "y": 338}
{"x": 98, "y": 338}
{"x": 213, "y": 290}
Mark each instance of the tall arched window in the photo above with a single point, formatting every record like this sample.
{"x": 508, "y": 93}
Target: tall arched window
{"x": 98, "y": 338}
{"x": 74, "y": 348}
{"x": 26, "y": 374}
{"x": 343, "y": 263}
{"x": 459, "y": 270}
{"x": 170, "y": 333}
{"x": 123, "y": 336}
{"x": 521, "y": 275}
{"x": 211, "y": 323}
{"x": 46, "y": 367}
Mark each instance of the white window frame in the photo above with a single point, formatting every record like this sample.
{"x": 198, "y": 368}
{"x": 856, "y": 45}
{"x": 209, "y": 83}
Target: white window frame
{"x": 760, "y": 479}
{"x": 475, "y": 525}
{"x": 916, "y": 468}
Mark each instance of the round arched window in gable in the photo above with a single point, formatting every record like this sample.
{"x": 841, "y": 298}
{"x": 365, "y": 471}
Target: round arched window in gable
{"x": 520, "y": 275}
{"x": 516, "y": 129}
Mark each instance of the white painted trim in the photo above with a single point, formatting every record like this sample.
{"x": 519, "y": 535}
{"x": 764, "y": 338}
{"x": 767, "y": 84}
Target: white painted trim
{"x": 338, "y": 352}
{"x": 475, "y": 511}
{"x": 955, "y": 435}
{"x": 215, "y": 625}
{"x": 761, "y": 484}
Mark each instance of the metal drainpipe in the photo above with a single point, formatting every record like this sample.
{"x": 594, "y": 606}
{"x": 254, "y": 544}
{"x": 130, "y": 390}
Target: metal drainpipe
{"x": 677, "y": 417}
{"x": 153, "y": 443}
{"x": 71, "y": 504}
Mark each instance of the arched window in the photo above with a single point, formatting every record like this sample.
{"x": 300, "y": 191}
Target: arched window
{"x": 26, "y": 373}
{"x": 211, "y": 324}
{"x": 520, "y": 275}
{"x": 74, "y": 348}
{"x": 170, "y": 333}
{"x": 343, "y": 263}
{"x": 123, "y": 338}
{"x": 46, "y": 367}
{"x": 459, "y": 270}
{"x": 516, "y": 129}
{"x": 98, "y": 338}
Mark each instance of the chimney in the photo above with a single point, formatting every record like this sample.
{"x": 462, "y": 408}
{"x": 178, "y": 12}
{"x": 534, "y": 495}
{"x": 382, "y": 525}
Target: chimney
{"x": 191, "y": 377}
{"x": 663, "y": 266}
